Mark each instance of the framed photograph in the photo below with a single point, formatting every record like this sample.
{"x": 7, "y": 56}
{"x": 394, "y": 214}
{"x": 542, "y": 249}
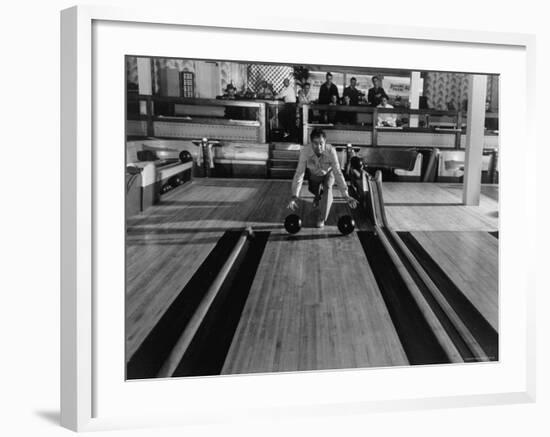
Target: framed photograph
{"x": 278, "y": 218}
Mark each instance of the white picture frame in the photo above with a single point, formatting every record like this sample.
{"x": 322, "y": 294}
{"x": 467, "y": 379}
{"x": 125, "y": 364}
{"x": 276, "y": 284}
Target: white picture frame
{"x": 80, "y": 311}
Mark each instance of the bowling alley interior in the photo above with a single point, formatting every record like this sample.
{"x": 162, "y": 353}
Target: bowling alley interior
{"x": 286, "y": 218}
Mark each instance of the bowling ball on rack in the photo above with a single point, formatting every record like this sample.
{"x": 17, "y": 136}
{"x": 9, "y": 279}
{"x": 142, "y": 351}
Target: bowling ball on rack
{"x": 346, "y": 224}
{"x": 293, "y": 224}
{"x": 185, "y": 156}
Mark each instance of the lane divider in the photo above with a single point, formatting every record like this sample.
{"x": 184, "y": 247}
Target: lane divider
{"x": 416, "y": 335}
{"x": 475, "y": 350}
{"x": 211, "y": 344}
{"x": 455, "y": 336}
{"x": 149, "y": 357}
{"x": 486, "y": 336}
{"x": 179, "y": 349}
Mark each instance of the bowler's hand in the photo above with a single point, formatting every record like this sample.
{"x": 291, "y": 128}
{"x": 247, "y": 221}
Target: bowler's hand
{"x": 351, "y": 202}
{"x": 293, "y": 204}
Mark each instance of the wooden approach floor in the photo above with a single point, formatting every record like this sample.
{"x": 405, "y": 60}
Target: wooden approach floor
{"x": 314, "y": 303}
{"x": 437, "y": 207}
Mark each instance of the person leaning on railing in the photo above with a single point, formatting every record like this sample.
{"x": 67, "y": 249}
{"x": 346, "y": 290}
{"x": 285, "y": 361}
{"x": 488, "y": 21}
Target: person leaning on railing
{"x": 304, "y": 95}
{"x": 352, "y": 92}
{"x": 327, "y": 90}
{"x": 326, "y": 93}
{"x": 376, "y": 93}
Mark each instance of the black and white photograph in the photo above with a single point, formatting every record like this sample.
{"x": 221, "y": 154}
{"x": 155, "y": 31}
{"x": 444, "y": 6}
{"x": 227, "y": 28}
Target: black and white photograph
{"x": 298, "y": 217}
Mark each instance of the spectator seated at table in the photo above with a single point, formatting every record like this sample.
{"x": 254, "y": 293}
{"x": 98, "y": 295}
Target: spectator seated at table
{"x": 332, "y": 116}
{"x": 265, "y": 91}
{"x": 345, "y": 117}
{"x": 232, "y": 112}
{"x": 386, "y": 119}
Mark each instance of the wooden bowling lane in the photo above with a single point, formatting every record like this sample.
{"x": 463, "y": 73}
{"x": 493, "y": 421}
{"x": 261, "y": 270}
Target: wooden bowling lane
{"x": 314, "y": 304}
{"x": 470, "y": 260}
{"x": 438, "y": 207}
{"x": 166, "y": 245}
{"x": 169, "y": 242}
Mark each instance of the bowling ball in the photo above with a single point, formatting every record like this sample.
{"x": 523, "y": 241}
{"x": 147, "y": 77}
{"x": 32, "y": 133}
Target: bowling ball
{"x": 293, "y": 224}
{"x": 185, "y": 156}
{"x": 346, "y": 224}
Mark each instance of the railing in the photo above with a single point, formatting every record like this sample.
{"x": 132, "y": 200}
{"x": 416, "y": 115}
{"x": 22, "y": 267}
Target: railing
{"x": 219, "y": 113}
{"x": 255, "y": 120}
{"x": 446, "y": 125}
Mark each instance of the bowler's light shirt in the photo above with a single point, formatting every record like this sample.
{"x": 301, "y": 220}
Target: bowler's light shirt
{"x": 319, "y": 166}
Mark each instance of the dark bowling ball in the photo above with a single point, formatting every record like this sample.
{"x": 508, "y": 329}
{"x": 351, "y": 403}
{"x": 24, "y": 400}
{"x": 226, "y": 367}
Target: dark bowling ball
{"x": 293, "y": 224}
{"x": 185, "y": 156}
{"x": 346, "y": 224}
{"x": 173, "y": 181}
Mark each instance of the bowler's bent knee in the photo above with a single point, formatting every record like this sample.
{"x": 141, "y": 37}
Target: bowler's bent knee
{"x": 328, "y": 181}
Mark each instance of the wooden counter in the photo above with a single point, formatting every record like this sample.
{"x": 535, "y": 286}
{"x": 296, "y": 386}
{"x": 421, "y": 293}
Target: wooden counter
{"x": 179, "y": 118}
{"x": 366, "y": 134}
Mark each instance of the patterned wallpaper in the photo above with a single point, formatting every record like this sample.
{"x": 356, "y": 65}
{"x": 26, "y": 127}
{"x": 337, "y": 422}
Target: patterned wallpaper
{"x": 450, "y": 90}
{"x": 445, "y": 90}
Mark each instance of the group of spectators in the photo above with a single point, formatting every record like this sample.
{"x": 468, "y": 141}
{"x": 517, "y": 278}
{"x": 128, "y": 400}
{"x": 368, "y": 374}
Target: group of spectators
{"x": 328, "y": 95}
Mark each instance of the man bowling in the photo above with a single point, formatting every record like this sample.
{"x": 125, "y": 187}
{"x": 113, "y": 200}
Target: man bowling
{"x": 321, "y": 161}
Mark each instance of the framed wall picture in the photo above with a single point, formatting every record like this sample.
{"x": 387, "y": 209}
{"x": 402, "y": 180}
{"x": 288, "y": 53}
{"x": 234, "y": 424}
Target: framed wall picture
{"x": 192, "y": 294}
